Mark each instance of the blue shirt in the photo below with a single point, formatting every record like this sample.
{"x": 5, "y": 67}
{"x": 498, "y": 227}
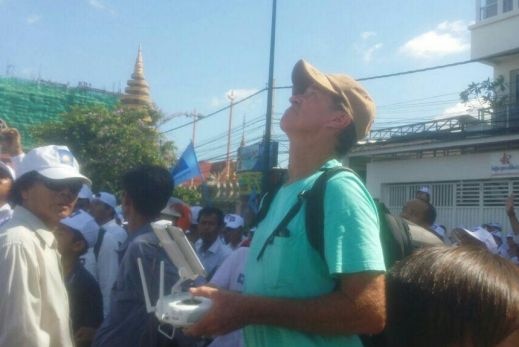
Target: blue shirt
{"x": 128, "y": 323}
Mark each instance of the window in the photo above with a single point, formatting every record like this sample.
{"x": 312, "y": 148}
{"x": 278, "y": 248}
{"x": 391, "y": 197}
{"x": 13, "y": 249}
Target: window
{"x": 489, "y": 9}
{"x": 508, "y": 5}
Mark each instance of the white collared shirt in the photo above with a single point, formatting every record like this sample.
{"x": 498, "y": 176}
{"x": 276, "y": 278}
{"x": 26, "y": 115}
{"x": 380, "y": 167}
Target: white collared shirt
{"x": 34, "y": 309}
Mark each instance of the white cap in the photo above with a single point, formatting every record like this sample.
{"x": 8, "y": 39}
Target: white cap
{"x": 424, "y": 189}
{"x": 54, "y": 162}
{"x": 484, "y": 236}
{"x": 195, "y": 210}
{"x": 233, "y": 221}
{"x": 83, "y": 223}
{"x": 106, "y": 198}
{"x": 7, "y": 168}
{"x": 85, "y": 192}
{"x": 170, "y": 209}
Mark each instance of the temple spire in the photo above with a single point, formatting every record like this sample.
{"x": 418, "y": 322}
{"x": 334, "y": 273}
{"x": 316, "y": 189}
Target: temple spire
{"x": 137, "y": 93}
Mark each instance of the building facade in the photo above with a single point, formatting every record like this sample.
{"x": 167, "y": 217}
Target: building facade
{"x": 470, "y": 164}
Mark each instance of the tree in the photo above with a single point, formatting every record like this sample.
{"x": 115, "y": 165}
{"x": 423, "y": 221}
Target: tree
{"x": 488, "y": 93}
{"x": 189, "y": 195}
{"x": 107, "y": 142}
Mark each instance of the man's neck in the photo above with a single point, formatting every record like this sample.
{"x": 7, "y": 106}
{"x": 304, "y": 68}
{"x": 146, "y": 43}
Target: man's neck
{"x": 206, "y": 244}
{"x": 136, "y": 221}
{"x": 304, "y": 160}
{"x": 68, "y": 263}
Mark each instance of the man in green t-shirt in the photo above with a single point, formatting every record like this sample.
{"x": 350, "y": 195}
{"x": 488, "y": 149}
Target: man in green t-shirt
{"x": 293, "y": 296}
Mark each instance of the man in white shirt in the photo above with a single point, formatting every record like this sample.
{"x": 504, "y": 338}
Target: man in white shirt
{"x": 233, "y": 232}
{"x": 210, "y": 248}
{"x": 111, "y": 237}
{"x": 34, "y": 307}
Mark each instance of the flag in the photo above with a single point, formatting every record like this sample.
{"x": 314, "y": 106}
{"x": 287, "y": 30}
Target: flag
{"x": 187, "y": 166}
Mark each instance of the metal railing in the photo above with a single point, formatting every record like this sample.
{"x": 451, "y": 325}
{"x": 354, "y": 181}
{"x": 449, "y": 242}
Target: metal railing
{"x": 502, "y": 118}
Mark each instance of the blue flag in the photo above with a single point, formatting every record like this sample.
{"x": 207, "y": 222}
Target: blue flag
{"x": 187, "y": 166}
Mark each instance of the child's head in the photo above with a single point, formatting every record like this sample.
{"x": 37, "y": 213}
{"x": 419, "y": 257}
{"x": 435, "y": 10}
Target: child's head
{"x": 76, "y": 233}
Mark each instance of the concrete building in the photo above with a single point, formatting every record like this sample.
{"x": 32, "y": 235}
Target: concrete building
{"x": 470, "y": 164}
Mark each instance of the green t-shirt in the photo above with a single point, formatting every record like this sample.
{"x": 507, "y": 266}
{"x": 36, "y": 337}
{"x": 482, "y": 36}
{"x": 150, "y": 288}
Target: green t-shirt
{"x": 291, "y": 268}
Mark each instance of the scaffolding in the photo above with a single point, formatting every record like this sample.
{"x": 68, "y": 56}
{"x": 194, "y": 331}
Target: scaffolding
{"x": 26, "y": 103}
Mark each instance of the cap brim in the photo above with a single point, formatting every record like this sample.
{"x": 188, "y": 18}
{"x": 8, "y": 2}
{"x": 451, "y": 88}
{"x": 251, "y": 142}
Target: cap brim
{"x": 304, "y": 75}
{"x": 63, "y": 173}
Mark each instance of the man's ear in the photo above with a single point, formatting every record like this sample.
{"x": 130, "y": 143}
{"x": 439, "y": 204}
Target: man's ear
{"x": 339, "y": 120}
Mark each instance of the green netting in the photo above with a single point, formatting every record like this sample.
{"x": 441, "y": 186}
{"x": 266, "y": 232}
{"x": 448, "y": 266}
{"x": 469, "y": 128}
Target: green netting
{"x": 24, "y": 103}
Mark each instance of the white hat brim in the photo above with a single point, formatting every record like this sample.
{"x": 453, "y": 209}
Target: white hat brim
{"x": 63, "y": 173}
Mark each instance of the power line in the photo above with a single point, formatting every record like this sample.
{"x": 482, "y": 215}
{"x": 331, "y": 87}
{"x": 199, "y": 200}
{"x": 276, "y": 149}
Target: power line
{"x": 217, "y": 111}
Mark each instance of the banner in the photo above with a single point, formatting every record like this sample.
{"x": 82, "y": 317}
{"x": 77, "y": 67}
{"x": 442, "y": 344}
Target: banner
{"x": 187, "y": 166}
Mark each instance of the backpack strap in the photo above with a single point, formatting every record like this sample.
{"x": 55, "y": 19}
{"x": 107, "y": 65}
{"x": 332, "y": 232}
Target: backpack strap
{"x": 99, "y": 242}
{"x": 281, "y": 228}
{"x": 315, "y": 208}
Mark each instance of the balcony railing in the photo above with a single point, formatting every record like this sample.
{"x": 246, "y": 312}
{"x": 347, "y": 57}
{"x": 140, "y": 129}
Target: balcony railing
{"x": 506, "y": 117}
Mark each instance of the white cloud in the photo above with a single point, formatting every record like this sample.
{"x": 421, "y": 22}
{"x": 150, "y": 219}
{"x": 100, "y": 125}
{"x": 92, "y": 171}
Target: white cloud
{"x": 367, "y": 34}
{"x": 238, "y": 94}
{"x": 368, "y": 52}
{"x": 99, "y": 5}
{"x": 33, "y": 18}
{"x": 366, "y": 48}
{"x": 448, "y": 38}
{"x": 470, "y": 108}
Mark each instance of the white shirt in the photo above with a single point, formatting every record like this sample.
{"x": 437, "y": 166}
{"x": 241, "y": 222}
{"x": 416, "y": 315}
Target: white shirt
{"x": 108, "y": 260}
{"x": 213, "y": 257}
{"x": 34, "y": 309}
{"x": 6, "y": 212}
{"x": 230, "y": 275}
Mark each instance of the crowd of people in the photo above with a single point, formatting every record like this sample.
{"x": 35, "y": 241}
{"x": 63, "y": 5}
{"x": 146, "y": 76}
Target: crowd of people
{"x": 70, "y": 258}
{"x": 491, "y": 236}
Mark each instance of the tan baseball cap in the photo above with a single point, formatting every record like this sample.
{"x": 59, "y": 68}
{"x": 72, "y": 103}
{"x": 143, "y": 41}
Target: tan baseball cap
{"x": 352, "y": 97}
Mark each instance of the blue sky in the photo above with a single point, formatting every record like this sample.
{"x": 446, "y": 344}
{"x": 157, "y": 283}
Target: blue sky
{"x": 196, "y": 51}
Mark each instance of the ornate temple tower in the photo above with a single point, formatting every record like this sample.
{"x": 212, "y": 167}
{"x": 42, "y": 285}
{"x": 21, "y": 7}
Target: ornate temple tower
{"x": 137, "y": 94}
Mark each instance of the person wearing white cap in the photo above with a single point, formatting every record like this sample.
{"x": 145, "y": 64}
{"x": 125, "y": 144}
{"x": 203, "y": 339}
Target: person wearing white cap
{"x": 233, "y": 232}
{"x": 111, "y": 237}
{"x": 75, "y": 234}
{"x": 34, "y": 308}
{"x": 294, "y": 295}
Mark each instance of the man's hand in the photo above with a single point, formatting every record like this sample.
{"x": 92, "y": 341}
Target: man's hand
{"x": 509, "y": 205}
{"x": 227, "y": 312}
{"x": 10, "y": 140}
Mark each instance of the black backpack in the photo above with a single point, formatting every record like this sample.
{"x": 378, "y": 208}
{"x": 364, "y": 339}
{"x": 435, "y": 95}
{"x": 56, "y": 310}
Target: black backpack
{"x": 398, "y": 237}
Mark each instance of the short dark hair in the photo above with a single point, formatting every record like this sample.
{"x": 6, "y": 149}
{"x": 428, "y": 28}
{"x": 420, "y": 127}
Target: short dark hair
{"x": 149, "y": 187}
{"x": 346, "y": 139}
{"x": 209, "y": 210}
{"x": 22, "y": 183}
{"x": 443, "y": 296}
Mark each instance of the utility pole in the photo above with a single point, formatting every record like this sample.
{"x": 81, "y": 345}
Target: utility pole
{"x": 231, "y": 98}
{"x": 268, "y": 123}
{"x": 195, "y": 115}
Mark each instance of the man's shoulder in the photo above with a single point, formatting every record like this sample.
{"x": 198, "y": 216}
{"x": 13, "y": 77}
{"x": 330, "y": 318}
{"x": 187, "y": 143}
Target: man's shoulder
{"x": 16, "y": 233}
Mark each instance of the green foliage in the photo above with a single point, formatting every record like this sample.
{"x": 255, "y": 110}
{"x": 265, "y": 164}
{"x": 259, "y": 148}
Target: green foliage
{"x": 488, "y": 93}
{"x": 191, "y": 196}
{"x": 106, "y": 142}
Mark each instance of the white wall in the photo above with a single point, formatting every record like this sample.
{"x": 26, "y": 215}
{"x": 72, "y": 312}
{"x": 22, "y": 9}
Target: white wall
{"x": 465, "y": 167}
{"x": 495, "y": 35}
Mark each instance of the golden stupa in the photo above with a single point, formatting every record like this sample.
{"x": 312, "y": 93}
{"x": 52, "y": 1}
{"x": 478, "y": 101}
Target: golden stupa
{"x": 137, "y": 93}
